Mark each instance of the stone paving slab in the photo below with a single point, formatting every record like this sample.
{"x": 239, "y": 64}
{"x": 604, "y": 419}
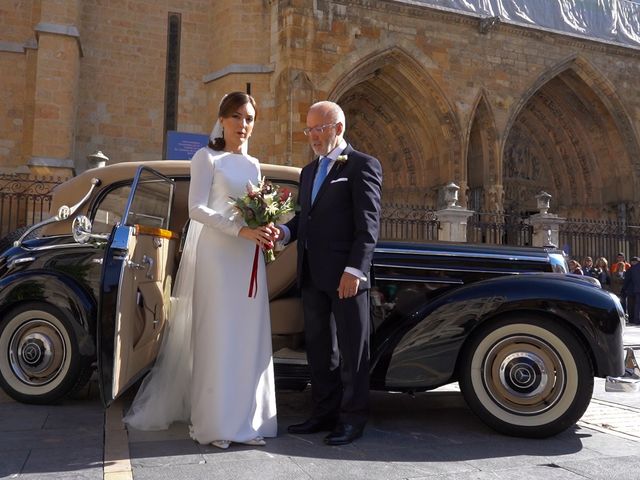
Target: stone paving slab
{"x": 165, "y": 453}
{"x": 264, "y": 469}
{"x": 620, "y": 419}
{"x": 520, "y": 473}
{"x": 64, "y": 460}
{"x": 62, "y": 441}
{"x": 624, "y": 466}
{"x": 11, "y": 462}
{"x": 88, "y": 474}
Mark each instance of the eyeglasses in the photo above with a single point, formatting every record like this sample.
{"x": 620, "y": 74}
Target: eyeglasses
{"x": 318, "y": 129}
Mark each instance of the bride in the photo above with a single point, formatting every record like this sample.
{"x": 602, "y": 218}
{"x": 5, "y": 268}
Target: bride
{"x": 215, "y": 367}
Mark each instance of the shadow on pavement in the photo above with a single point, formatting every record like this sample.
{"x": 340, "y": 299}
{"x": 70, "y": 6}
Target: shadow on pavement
{"x": 63, "y": 440}
{"x": 430, "y": 427}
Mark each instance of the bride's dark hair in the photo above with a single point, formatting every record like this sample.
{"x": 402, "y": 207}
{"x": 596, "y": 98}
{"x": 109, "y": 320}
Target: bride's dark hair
{"x": 229, "y": 105}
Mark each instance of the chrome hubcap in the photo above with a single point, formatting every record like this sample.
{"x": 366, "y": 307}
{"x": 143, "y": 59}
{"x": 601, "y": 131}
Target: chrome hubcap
{"x": 37, "y": 352}
{"x": 524, "y": 375}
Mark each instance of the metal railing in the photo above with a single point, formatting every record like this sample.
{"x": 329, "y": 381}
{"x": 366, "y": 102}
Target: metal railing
{"x": 408, "y": 222}
{"x": 499, "y": 229}
{"x": 599, "y": 238}
{"x": 24, "y": 200}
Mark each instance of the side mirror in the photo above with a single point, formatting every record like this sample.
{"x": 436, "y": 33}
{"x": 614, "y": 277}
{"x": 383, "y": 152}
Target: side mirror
{"x": 81, "y": 229}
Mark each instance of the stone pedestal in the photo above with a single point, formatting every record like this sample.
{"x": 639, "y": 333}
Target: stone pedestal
{"x": 546, "y": 227}
{"x": 453, "y": 223}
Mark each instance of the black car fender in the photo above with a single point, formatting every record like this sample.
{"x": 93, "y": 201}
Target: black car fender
{"x": 59, "y": 290}
{"x": 435, "y": 333}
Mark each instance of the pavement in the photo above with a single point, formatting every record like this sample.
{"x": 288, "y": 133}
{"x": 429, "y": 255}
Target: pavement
{"x": 429, "y": 436}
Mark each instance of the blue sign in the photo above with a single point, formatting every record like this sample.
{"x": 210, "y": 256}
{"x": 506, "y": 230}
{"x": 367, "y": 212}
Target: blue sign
{"x": 182, "y": 145}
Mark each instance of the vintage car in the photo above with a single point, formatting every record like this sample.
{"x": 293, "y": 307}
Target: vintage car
{"x": 91, "y": 287}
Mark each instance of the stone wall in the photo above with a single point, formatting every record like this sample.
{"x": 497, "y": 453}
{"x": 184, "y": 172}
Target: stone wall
{"x": 503, "y": 111}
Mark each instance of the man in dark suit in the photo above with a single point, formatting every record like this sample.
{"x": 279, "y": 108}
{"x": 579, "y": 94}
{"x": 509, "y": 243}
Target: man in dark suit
{"x": 337, "y": 229}
{"x": 631, "y": 291}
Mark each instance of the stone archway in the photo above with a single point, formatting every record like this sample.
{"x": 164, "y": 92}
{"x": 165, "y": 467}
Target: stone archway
{"x": 485, "y": 193}
{"x": 395, "y": 111}
{"x": 571, "y": 137}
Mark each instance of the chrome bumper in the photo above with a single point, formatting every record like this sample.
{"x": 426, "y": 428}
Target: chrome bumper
{"x": 630, "y": 381}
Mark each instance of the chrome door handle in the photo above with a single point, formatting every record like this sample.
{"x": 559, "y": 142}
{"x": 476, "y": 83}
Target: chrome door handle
{"x": 146, "y": 262}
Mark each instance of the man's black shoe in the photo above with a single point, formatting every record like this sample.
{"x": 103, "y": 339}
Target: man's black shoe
{"x": 343, "y": 434}
{"x": 312, "y": 425}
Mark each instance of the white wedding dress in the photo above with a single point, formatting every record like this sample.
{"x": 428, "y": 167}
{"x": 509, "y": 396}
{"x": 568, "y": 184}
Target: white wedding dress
{"x": 215, "y": 370}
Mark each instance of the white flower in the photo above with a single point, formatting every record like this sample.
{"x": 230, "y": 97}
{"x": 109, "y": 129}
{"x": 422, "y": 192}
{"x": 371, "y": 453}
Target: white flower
{"x": 342, "y": 158}
{"x": 272, "y": 208}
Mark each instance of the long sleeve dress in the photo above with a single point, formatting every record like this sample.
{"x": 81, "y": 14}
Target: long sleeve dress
{"x": 215, "y": 366}
{"x": 232, "y": 387}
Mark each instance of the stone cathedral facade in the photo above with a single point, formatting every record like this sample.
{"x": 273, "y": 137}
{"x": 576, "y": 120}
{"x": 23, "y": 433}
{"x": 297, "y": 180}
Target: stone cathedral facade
{"x": 503, "y": 111}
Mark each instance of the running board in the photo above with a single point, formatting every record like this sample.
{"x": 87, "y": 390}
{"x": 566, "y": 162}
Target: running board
{"x": 287, "y": 356}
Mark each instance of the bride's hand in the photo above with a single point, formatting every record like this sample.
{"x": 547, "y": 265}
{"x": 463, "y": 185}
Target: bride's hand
{"x": 261, "y": 236}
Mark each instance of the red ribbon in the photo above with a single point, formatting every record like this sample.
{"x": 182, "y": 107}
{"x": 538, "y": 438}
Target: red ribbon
{"x": 253, "y": 283}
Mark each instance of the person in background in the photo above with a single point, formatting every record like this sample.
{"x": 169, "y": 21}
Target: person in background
{"x": 587, "y": 266}
{"x": 618, "y": 269}
{"x": 600, "y": 271}
{"x": 574, "y": 267}
{"x": 631, "y": 291}
{"x": 616, "y": 265}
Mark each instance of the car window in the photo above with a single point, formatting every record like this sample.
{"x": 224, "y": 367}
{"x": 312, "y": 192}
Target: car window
{"x": 110, "y": 209}
{"x": 152, "y": 201}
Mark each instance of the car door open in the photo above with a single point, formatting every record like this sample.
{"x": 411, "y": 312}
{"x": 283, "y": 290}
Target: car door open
{"x": 137, "y": 277}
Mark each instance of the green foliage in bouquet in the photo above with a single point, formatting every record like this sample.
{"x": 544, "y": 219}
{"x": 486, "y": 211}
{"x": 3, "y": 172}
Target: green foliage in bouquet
{"x": 263, "y": 204}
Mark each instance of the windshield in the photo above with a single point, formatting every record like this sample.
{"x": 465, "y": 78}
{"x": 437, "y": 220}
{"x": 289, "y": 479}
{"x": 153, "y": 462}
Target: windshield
{"x": 558, "y": 263}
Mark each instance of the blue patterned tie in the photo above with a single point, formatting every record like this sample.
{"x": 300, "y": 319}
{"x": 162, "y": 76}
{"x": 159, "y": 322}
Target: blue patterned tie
{"x": 320, "y": 176}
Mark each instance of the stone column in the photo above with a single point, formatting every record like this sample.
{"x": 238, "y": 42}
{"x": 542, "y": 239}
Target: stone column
{"x": 453, "y": 218}
{"x": 56, "y": 87}
{"x": 546, "y": 226}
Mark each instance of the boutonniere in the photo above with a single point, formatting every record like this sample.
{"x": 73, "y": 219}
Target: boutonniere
{"x": 342, "y": 159}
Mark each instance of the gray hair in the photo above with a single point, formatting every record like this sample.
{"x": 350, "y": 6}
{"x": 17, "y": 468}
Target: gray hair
{"x": 333, "y": 111}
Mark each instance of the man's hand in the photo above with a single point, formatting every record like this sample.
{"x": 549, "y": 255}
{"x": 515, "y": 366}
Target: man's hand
{"x": 279, "y": 233}
{"x": 348, "y": 285}
{"x": 276, "y": 233}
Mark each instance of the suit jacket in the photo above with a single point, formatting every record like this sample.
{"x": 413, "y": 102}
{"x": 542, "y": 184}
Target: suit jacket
{"x": 341, "y": 227}
{"x": 632, "y": 281}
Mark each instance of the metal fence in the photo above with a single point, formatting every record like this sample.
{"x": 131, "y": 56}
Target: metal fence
{"x": 24, "y": 199}
{"x": 499, "y": 229}
{"x": 599, "y": 238}
{"x": 408, "y": 222}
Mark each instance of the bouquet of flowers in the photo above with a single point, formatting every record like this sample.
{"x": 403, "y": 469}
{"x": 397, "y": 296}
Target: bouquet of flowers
{"x": 263, "y": 204}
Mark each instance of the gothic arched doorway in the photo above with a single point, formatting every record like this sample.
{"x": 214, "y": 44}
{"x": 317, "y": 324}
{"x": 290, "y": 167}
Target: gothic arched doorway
{"x": 396, "y": 112}
{"x": 569, "y": 139}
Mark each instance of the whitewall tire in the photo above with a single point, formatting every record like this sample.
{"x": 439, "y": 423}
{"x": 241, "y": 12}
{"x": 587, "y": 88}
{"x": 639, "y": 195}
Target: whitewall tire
{"x": 40, "y": 360}
{"x": 526, "y": 375}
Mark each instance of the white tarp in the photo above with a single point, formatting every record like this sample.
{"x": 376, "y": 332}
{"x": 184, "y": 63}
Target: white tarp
{"x": 607, "y": 20}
